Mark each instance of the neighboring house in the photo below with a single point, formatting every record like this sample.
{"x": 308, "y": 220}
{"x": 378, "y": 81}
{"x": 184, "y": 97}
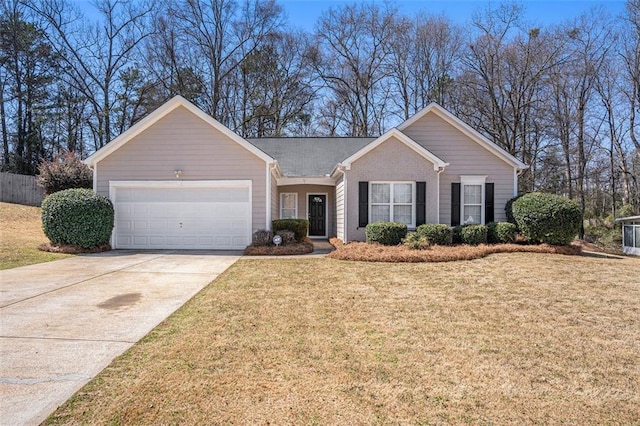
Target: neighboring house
{"x": 630, "y": 234}
{"x": 180, "y": 179}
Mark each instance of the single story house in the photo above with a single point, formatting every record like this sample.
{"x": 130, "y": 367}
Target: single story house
{"x": 179, "y": 179}
{"x": 630, "y": 234}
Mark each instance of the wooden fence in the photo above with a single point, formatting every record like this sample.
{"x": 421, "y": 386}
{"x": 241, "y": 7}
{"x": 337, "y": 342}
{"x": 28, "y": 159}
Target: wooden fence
{"x": 20, "y": 189}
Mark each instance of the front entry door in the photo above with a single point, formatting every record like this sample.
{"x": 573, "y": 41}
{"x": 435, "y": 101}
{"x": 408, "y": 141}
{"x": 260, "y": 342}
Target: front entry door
{"x": 317, "y": 215}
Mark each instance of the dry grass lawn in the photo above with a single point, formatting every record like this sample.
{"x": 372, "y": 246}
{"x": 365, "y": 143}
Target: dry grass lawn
{"x": 518, "y": 338}
{"x": 20, "y": 235}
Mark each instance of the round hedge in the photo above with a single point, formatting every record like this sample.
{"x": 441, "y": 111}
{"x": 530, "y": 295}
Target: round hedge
{"x": 547, "y": 218}
{"x": 77, "y": 217}
{"x": 386, "y": 233}
{"x": 474, "y": 234}
{"x": 508, "y": 209}
{"x": 436, "y": 233}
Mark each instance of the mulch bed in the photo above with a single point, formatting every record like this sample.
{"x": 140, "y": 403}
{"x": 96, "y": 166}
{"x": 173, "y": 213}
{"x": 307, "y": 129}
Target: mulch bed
{"x": 69, "y": 249}
{"x": 367, "y": 252}
{"x": 305, "y": 247}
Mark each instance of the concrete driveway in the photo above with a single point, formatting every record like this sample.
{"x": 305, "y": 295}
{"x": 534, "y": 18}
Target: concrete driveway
{"x": 62, "y": 322}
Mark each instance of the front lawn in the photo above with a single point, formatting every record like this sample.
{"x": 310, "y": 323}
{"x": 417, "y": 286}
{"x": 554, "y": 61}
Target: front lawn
{"x": 517, "y": 338}
{"x": 20, "y": 235}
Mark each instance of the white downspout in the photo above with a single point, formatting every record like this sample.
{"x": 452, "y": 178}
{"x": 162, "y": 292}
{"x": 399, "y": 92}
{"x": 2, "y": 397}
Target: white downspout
{"x": 440, "y": 170}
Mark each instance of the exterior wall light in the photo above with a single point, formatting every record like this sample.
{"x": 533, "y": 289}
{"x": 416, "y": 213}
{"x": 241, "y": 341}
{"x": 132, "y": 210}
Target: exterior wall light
{"x": 178, "y": 174}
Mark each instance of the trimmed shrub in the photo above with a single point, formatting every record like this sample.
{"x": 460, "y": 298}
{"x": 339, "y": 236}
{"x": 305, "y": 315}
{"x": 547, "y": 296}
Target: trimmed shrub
{"x": 288, "y": 237}
{"x": 508, "y": 209}
{"x": 64, "y": 172}
{"x": 386, "y": 233}
{"x": 456, "y": 234}
{"x": 436, "y": 233}
{"x": 262, "y": 237}
{"x": 77, "y": 217}
{"x": 501, "y": 233}
{"x": 547, "y": 218}
{"x": 474, "y": 234}
{"x": 415, "y": 241}
{"x": 300, "y": 227}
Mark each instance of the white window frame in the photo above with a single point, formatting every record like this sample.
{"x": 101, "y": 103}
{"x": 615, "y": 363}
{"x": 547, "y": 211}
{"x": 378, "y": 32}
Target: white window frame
{"x": 472, "y": 181}
{"x": 391, "y": 184}
{"x": 295, "y": 196}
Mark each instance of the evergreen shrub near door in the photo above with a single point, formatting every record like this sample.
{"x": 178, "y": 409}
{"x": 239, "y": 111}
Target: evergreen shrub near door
{"x": 77, "y": 217}
{"x": 436, "y": 233}
{"x": 386, "y": 233}
{"x": 547, "y": 218}
{"x": 300, "y": 227}
{"x": 501, "y": 233}
{"x": 474, "y": 234}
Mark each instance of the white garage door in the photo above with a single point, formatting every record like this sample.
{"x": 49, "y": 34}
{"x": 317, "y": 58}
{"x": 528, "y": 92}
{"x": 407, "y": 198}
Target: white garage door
{"x": 182, "y": 215}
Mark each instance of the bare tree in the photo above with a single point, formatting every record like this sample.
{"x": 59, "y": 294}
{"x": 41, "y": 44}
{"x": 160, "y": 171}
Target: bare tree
{"x": 350, "y": 54}
{"x": 223, "y": 33}
{"x": 425, "y": 60}
{"x": 631, "y": 55}
{"x": 274, "y": 87}
{"x": 95, "y": 53}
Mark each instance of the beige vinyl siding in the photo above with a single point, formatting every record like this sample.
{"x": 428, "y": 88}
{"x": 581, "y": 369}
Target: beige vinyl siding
{"x": 303, "y": 202}
{"x": 340, "y": 208}
{"x": 275, "y": 200}
{"x": 465, "y": 157}
{"x": 390, "y": 161}
{"x": 182, "y": 141}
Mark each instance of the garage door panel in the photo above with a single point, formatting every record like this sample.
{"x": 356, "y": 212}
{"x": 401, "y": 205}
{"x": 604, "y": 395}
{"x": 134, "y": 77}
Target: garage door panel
{"x": 182, "y": 218}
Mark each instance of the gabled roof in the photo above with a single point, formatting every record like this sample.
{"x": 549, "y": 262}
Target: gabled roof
{"x": 467, "y": 130}
{"x": 312, "y": 156}
{"x": 158, "y": 114}
{"x": 395, "y": 133}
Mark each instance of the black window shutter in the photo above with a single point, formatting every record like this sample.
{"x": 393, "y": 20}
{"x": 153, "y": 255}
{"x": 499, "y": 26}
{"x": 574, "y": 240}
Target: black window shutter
{"x": 363, "y": 204}
{"x": 488, "y": 202}
{"x": 421, "y": 203}
{"x": 455, "y": 204}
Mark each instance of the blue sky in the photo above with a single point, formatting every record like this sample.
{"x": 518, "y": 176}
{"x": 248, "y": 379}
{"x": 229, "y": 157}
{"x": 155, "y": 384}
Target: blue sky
{"x": 304, "y": 13}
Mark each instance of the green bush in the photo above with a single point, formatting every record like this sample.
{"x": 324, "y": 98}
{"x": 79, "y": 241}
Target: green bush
{"x": 78, "y": 217}
{"x": 386, "y": 233}
{"x": 508, "y": 209}
{"x": 547, "y": 218}
{"x": 415, "y": 241}
{"x": 436, "y": 233}
{"x": 64, "y": 172}
{"x": 300, "y": 227}
{"x": 456, "y": 234}
{"x": 474, "y": 234}
{"x": 501, "y": 233}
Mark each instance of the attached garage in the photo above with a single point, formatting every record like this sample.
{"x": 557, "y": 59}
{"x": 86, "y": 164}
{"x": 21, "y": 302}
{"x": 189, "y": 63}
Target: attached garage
{"x": 206, "y": 215}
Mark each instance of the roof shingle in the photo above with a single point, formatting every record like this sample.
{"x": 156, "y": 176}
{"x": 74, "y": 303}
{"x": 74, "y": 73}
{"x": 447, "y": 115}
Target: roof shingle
{"x": 306, "y": 157}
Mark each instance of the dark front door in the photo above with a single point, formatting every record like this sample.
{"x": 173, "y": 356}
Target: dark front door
{"x": 317, "y": 215}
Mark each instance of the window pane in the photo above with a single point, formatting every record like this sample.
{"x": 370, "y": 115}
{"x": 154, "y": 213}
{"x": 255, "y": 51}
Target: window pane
{"x": 637, "y": 236}
{"x": 288, "y": 214}
{"x": 379, "y": 213}
{"x": 472, "y": 214}
{"x": 402, "y": 214}
{"x": 627, "y": 236}
{"x": 473, "y": 194}
{"x": 402, "y": 193}
{"x": 289, "y": 201}
{"x": 380, "y": 192}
